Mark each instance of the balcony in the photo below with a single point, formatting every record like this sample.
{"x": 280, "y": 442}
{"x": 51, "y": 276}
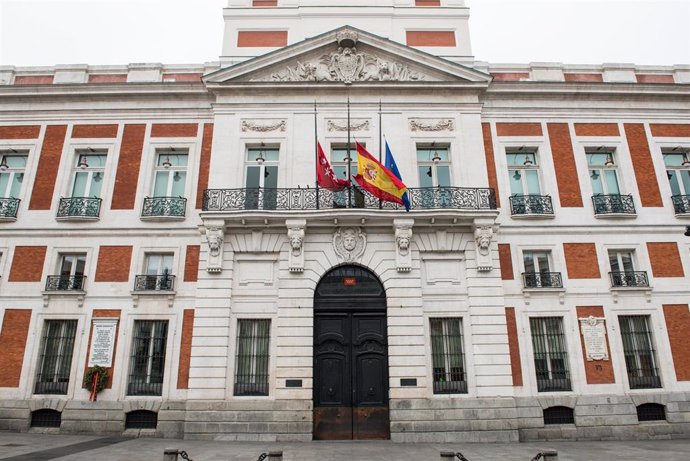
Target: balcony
{"x": 298, "y": 199}
{"x": 163, "y": 282}
{"x": 542, "y": 279}
{"x": 65, "y": 283}
{"x": 613, "y": 205}
{"x": 629, "y": 279}
{"x": 681, "y": 204}
{"x": 8, "y": 209}
{"x": 159, "y": 208}
{"x": 531, "y": 205}
{"x": 79, "y": 208}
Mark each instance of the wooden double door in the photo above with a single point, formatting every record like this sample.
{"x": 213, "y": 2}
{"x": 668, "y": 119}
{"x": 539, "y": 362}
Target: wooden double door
{"x": 351, "y": 368}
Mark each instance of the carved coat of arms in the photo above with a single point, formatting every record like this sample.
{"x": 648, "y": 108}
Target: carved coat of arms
{"x": 349, "y": 243}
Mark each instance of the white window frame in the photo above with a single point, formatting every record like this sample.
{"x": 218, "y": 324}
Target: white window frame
{"x": 13, "y": 172}
{"x": 432, "y": 167}
{"x": 160, "y": 152}
{"x": 522, "y": 169}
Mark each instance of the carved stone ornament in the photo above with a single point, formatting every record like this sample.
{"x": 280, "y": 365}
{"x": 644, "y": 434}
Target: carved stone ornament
{"x": 482, "y": 237}
{"x": 355, "y": 125}
{"x": 346, "y": 65}
{"x": 349, "y": 243}
{"x": 432, "y": 125}
{"x": 215, "y": 236}
{"x": 248, "y": 125}
{"x": 296, "y": 240}
{"x": 403, "y": 239}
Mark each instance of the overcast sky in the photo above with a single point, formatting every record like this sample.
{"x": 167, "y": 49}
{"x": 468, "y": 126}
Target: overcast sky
{"x": 48, "y": 32}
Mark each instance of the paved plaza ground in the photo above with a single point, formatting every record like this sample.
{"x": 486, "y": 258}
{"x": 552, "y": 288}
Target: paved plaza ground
{"x": 37, "y": 447}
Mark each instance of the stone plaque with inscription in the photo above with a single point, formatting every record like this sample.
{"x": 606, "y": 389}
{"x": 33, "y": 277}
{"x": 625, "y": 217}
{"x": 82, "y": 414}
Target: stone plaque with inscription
{"x": 102, "y": 342}
{"x": 594, "y": 337}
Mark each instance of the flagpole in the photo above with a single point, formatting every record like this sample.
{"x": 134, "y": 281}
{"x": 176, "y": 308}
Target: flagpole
{"x": 349, "y": 158}
{"x": 380, "y": 142}
{"x": 316, "y": 154}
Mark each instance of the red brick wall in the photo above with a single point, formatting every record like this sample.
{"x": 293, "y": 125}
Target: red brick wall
{"x": 185, "y": 349}
{"x": 583, "y": 77}
{"x": 261, "y": 38}
{"x": 490, "y": 160}
{"x": 596, "y": 129}
{"x": 654, "y": 78}
{"x": 174, "y": 130}
{"x": 204, "y": 164}
{"x": 113, "y": 263}
{"x": 20, "y": 132}
{"x": 596, "y": 371}
{"x": 15, "y": 329}
{"x": 104, "y": 313}
{"x": 27, "y": 264}
{"x": 665, "y": 259}
{"x": 514, "y": 346}
{"x": 191, "y": 263}
{"x": 107, "y": 78}
{"x": 678, "y": 326}
{"x": 518, "y": 129}
{"x": 581, "y": 260}
{"x": 33, "y": 80}
{"x": 427, "y": 3}
{"x": 46, "y": 173}
{"x": 127, "y": 177}
{"x": 265, "y": 3}
{"x": 670, "y": 130}
{"x": 430, "y": 38}
{"x": 564, "y": 165}
{"x": 506, "y": 261}
{"x": 94, "y": 131}
{"x": 643, "y": 165}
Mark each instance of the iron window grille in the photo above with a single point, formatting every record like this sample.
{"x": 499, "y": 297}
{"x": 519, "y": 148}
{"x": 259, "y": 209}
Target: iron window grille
{"x": 9, "y": 207}
{"x": 163, "y": 282}
{"x": 251, "y": 361}
{"x": 79, "y": 207}
{"x": 681, "y": 204}
{"x": 559, "y": 415}
{"x": 65, "y": 283}
{"x": 173, "y": 207}
{"x": 447, "y": 356}
{"x": 629, "y": 279}
{"x": 46, "y": 418}
{"x": 613, "y": 204}
{"x": 651, "y": 412}
{"x": 550, "y": 354}
{"x": 147, "y": 362}
{"x": 640, "y": 356}
{"x": 55, "y": 361}
{"x": 141, "y": 419}
{"x": 542, "y": 279}
{"x": 531, "y": 205}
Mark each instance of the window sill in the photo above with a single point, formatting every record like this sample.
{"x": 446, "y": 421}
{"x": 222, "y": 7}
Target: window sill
{"x": 14, "y": 218}
{"x": 678, "y": 215}
{"x": 534, "y": 216}
{"x": 162, "y": 218}
{"x": 79, "y": 294}
{"x": 169, "y": 294}
{"x": 615, "y": 215}
{"x": 77, "y": 218}
{"x": 528, "y": 292}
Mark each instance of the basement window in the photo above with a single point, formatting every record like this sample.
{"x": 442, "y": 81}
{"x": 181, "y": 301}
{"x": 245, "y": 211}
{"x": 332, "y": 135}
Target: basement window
{"x": 46, "y": 418}
{"x": 559, "y": 415}
{"x": 141, "y": 419}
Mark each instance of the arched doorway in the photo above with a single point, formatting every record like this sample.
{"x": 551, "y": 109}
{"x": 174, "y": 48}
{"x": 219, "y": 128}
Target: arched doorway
{"x": 350, "y": 356}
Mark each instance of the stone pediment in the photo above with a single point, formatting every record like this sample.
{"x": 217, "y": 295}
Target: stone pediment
{"x": 347, "y": 55}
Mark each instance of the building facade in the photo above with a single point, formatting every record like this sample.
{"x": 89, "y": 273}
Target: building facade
{"x": 163, "y": 222}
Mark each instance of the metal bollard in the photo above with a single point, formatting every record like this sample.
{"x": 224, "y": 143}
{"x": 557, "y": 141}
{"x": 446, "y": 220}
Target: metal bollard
{"x": 450, "y": 455}
{"x": 546, "y": 455}
{"x": 170, "y": 454}
{"x": 271, "y": 456}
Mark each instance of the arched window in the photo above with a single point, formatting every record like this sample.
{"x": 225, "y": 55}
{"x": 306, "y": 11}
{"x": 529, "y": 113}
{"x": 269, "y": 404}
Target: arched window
{"x": 651, "y": 412}
{"x": 141, "y": 419}
{"x": 559, "y": 415}
{"x": 46, "y": 418}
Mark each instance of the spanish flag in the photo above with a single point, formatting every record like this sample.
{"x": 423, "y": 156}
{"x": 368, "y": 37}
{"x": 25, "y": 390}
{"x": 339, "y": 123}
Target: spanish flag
{"x": 377, "y": 179}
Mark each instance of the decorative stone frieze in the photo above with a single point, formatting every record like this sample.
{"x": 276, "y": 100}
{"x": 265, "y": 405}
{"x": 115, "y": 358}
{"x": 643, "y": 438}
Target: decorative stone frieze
{"x": 403, "y": 239}
{"x": 355, "y": 125}
{"x": 432, "y": 125}
{"x": 263, "y": 127}
{"x": 349, "y": 243}
{"x": 296, "y": 240}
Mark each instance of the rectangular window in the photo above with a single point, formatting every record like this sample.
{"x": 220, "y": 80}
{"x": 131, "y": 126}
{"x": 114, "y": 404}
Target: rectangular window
{"x": 88, "y": 174}
{"x": 678, "y": 173}
{"x": 602, "y": 173}
{"x": 523, "y": 172}
{"x": 339, "y": 156}
{"x": 261, "y": 169}
{"x": 157, "y": 273}
{"x": 55, "y": 360}
{"x": 251, "y": 361}
{"x": 550, "y": 354}
{"x": 433, "y": 166}
{"x": 447, "y": 356}
{"x": 12, "y": 168}
{"x": 623, "y": 273}
{"x": 70, "y": 273}
{"x": 147, "y": 361}
{"x": 538, "y": 270}
{"x": 170, "y": 173}
{"x": 638, "y": 348}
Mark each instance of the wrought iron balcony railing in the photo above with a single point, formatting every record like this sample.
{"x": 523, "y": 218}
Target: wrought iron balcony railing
{"x": 9, "y": 207}
{"x": 530, "y": 205}
{"x": 629, "y": 279}
{"x": 65, "y": 283}
{"x": 681, "y": 204}
{"x": 352, "y": 197}
{"x": 164, "y": 207}
{"x": 542, "y": 279}
{"x": 79, "y": 207}
{"x": 154, "y": 282}
{"x": 613, "y": 204}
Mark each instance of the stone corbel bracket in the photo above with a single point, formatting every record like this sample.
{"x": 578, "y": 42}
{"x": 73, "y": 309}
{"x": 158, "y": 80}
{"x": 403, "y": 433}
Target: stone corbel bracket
{"x": 483, "y": 237}
{"x": 295, "y": 229}
{"x": 403, "y": 239}
{"x": 215, "y": 236}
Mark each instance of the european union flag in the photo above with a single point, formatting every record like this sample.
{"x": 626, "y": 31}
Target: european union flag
{"x": 390, "y": 164}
